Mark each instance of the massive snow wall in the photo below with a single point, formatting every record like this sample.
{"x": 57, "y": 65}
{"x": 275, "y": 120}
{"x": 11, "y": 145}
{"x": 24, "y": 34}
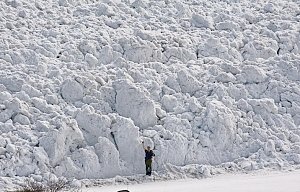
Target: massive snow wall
{"x": 203, "y": 82}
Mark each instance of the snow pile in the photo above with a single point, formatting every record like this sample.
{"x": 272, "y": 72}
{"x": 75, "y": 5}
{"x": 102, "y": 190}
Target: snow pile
{"x": 203, "y": 82}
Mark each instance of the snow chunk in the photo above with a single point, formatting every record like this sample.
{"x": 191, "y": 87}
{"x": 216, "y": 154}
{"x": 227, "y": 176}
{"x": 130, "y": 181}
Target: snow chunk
{"x": 149, "y": 133}
{"x": 51, "y": 99}
{"x": 262, "y": 48}
{"x": 202, "y": 21}
{"x": 295, "y": 158}
{"x": 42, "y": 126}
{"x": 59, "y": 142}
{"x": 169, "y": 102}
{"x": 107, "y": 55}
{"x": 228, "y": 25}
{"x": 31, "y": 91}
{"x": 2, "y": 141}
{"x": 71, "y": 90}
{"x": 252, "y": 74}
{"x": 93, "y": 125}
{"x": 85, "y": 164}
{"x": 13, "y": 3}
{"x": 2, "y": 151}
{"x": 16, "y": 105}
{"x": 5, "y": 115}
{"x": 214, "y": 48}
{"x": 137, "y": 50}
{"x": 269, "y": 8}
{"x": 139, "y": 54}
{"x": 125, "y": 135}
{"x": 194, "y": 106}
{"x": 22, "y": 14}
{"x": 180, "y": 53}
{"x": 134, "y": 103}
{"x": 40, "y": 155}
{"x": 22, "y": 119}
{"x": 172, "y": 82}
{"x": 12, "y": 83}
{"x": 108, "y": 157}
{"x": 87, "y": 47}
{"x": 222, "y": 123}
{"x": 168, "y": 150}
{"x": 140, "y": 4}
{"x": 188, "y": 83}
{"x": 267, "y": 104}
{"x": 104, "y": 9}
{"x": 25, "y": 56}
{"x": 269, "y": 148}
{"x": 91, "y": 60}
{"x": 11, "y": 148}
{"x": 5, "y": 96}
{"x": 244, "y": 105}
{"x": 229, "y": 68}
{"x": 63, "y": 3}
{"x": 42, "y": 105}
{"x": 225, "y": 77}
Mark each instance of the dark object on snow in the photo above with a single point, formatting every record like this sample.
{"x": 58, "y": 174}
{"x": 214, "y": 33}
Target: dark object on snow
{"x": 148, "y": 167}
{"x": 149, "y": 154}
{"x": 148, "y": 160}
{"x": 123, "y": 191}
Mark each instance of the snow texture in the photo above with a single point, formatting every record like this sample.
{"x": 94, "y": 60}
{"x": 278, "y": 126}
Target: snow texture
{"x": 274, "y": 181}
{"x": 202, "y": 82}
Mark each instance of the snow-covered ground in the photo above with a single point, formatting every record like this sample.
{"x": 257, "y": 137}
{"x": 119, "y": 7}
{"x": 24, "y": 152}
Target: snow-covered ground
{"x": 256, "y": 182}
{"x": 211, "y": 85}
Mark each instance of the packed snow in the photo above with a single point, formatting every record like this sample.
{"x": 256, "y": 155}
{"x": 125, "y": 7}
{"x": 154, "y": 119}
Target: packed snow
{"x": 258, "y": 182}
{"x": 209, "y": 84}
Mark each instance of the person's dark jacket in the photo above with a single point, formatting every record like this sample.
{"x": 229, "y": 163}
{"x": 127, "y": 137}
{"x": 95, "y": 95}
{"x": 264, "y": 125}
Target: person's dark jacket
{"x": 149, "y": 154}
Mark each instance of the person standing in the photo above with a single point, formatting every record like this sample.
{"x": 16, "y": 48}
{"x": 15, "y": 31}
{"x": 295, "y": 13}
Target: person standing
{"x": 149, "y": 155}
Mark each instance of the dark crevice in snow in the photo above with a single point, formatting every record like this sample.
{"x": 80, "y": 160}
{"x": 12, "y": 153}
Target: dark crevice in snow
{"x": 114, "y": 139}
{"x": 278, "y": 51}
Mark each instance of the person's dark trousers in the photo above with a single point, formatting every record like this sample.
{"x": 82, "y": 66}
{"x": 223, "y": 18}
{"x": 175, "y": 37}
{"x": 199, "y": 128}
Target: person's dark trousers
{"x": 148, "y": 163}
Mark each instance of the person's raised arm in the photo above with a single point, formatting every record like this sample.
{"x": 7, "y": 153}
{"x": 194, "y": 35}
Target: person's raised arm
{"x": 143, "y": 145}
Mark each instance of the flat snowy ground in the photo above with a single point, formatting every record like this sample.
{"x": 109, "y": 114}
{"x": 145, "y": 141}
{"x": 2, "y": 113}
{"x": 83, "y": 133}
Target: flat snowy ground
{"x": 258, "y": 182}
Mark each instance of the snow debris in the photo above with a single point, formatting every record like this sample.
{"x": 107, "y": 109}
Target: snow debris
{"x": 71, "y": 90}
{"x": 202, "y": 21}
{"x": 134, "y": 103}
{"x": 206, "y": 84}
